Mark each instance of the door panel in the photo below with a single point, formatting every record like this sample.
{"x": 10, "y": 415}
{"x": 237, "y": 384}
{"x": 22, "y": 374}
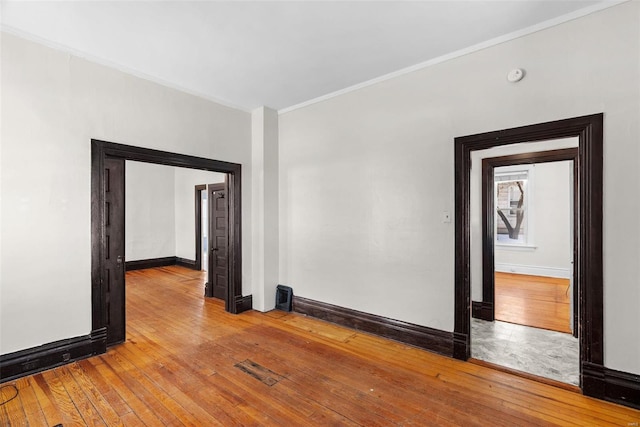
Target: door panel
{"x": 218, "y": 274}
{"x": 113, "y": 265}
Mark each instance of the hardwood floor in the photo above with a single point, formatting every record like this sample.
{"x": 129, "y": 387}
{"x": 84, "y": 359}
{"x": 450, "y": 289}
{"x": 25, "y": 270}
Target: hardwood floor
{"x": 187, "y": 362}
{"x": 541, "y": 302}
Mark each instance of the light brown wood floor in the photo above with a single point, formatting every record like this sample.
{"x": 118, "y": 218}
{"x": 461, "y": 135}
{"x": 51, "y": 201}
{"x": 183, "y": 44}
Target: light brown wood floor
{"x": 178, "y": 367}
{"x": 541, "y": 302}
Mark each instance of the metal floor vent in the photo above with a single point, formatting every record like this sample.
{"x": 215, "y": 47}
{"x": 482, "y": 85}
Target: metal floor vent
{"x": 259, "y": 372}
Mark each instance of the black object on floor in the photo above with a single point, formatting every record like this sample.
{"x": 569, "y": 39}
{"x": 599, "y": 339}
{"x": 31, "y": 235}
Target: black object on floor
{"x": 284, "y": 296}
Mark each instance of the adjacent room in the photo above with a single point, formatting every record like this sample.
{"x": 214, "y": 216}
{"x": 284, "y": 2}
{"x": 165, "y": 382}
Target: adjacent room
{"x": 320, "y": 213}
{"x": 525, "y": 314}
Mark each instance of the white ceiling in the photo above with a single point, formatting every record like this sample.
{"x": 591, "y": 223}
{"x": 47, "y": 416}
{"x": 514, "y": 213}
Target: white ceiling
{"x": 274, "y": 53}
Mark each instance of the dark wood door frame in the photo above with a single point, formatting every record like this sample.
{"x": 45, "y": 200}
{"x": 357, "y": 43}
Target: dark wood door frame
{"x": 100, "y": 150}
{"x": 114, "y": 250}
{"x": 588, "y": 263}
{"x": 212, "y": 287}
{"x": 198, "y": 221}
{"x": 486, "y": 310}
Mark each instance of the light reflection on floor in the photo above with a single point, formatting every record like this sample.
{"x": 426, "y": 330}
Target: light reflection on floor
{"x": 548, "y": 354}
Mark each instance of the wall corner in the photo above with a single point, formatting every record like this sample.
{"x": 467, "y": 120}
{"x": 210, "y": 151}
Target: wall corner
{"x": 265, "y": 205}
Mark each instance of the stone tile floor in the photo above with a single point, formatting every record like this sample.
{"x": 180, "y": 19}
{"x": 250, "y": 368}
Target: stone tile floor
{"x": 549, "y": 354}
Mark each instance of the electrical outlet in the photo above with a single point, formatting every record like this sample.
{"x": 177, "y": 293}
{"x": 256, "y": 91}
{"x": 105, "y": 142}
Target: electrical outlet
{"x": 66, "y": 357}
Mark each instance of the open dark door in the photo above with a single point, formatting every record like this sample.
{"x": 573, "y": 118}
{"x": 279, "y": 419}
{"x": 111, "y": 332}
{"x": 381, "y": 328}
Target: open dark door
{"x": 218, "y": 268}
{"x": 113, "y": 251}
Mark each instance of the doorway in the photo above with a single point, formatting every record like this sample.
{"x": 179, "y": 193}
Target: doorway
{"x": 588, "y": 252}
{"x": 524, "y": 320}
{"x": 107, "y": 241}
{"x": 212, "y": 237}
{"x": 202, "y": 228}
{"x": 218, "y": 265}
{"x": 513, "y": 167}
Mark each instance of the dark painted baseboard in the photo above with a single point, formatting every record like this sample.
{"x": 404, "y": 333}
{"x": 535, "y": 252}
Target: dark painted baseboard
{"x": 41, "y": 358}
{"x": 482, "y": 310}
{"x": 420, "y": 336}
{"x": 244, "y": 303}
{"x": 597, "y": 381}
{"x": 188, "y": 263}
{"x": 608, "y": 384}
{"x": 593, "y": 383}
{"x": 149, "y": 263}
{"x": 461, "y": 346}
{"x": 141, "y": 264}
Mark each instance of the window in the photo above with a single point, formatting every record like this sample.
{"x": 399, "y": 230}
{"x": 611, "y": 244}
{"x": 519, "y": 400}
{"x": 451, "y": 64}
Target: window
{"x": 512, "y": 201}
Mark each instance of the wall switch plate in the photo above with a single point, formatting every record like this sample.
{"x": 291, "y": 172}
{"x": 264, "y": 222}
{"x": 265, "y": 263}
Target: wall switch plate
{"x": 446, "y": 217}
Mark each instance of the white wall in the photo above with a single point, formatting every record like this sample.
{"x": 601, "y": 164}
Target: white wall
{"x": 185, "y": 182}
{"x": 365, "y": 176}
{"x": 160, "y": 210}
{"x": 550, "y": 210}
{"x": 52, "y": 105}
{"x": 149, "y": 211}
{"x": 265, "y": 219}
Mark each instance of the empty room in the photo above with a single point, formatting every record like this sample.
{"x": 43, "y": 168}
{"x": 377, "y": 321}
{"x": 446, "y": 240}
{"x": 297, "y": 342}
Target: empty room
{"x": 320, "y": 213}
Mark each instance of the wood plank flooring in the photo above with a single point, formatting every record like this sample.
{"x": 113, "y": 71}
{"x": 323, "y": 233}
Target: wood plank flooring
{"x": 541, "y": 302}
{"x": 185, "y": 362}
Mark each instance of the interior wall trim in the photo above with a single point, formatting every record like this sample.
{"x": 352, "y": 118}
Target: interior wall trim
{"x": 244, "y": 303}
{"x": 482, "y": 310}
{"x": 101, "y": 151}
{"x": 36, "y": 359}
{"x": 588, "y": 253}
{"x": 611, "y": 385}
{"x": 141, "y": 264}
{"x": 453, "y": 55}
{"x": 408, "y": 333}
{"x": 534, "y": 270}
{"x": 198, "y": 224}
{"x": 488, "y": 214}
{"x": 187, "y": 263}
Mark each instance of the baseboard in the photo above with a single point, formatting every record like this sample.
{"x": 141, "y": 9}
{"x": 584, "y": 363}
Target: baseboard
{"x": 244, "y": 303}
{"x": 608, "y": 384}
{"x": 461, "y": 346}
{"x": 150, "y": 263}
{"x": 482, "y": 310}
{"x": 141, "y": 264}
{"x": 47, "y": 356}
{"x": 532, "y": 270}
{"x": 187, "y": 263}
{"x": 420, "y": 336}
